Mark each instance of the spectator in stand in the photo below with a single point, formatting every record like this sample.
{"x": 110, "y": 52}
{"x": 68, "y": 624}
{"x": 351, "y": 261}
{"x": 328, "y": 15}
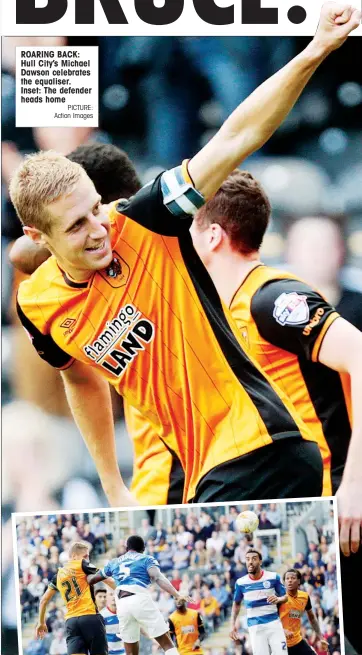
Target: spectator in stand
{"x": 274, "y": 516}
{"x": 264, "y": 523}
{"x": 222, "y": 596}
{"x": 176, "y": 579}
{"x": 165, "y": 559}
{"x": 166, "y": 604}
{"x": 181, "y": 557}
{"x": 182, "y": 536}
{"x": 209, "y": 609}
{"x": 159, "y": 532}
{"x": 69, "y": 531}
{"x": 36, "y": 647}
{"x": 52, "y": 616}
{"x": 261, "y": 546}
{"x": 229, "y": 547}
{"x": 215, "y": 541}
{"x": 213, "y": 559}
{"x": 241, "y": 549}
{"x": 198, "y": 559}
{"x": 314, "y": 559}
{"x": 26, "y": 601}
{"x": 98, "y": 528}
{"x": 330, "y": 573}
{"x": 89, "y": 536}
{"x": 207, "y": 526}
{"x": 36, "y": 587}
{"x": 312, "y": 531}
{"x": 318, "y": 579}
{"x": 330, "y": 595}
{"x": 301, "y": 561}
{"x": 58, "y": 645}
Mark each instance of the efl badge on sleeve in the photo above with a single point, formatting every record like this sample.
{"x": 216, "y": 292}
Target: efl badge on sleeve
{"x": 291, "y": 309}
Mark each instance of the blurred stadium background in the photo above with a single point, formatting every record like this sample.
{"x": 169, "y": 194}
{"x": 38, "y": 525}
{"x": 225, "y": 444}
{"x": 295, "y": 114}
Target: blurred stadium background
{"x": 200, "y": 550}
{"x": 160, "y": 100}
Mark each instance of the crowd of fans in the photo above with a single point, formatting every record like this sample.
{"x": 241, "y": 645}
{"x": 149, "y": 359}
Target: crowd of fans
{"x": 202, "y": 554}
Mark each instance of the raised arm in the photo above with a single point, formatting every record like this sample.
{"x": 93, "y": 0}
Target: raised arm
{"x": 342, "y": 350}
{"x": 89, "y": 399}
{"x": 160, "y": 579}
{"x": 259, "y": 116}
{"x": 41, "y": 627}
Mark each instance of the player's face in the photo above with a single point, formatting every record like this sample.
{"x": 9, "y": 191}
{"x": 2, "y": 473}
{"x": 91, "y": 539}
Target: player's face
{"x": 291, "y": 582}
{"x": 253, "y": 563}
{"x": 80, "y": 234}
{"x": 101, "y": 600}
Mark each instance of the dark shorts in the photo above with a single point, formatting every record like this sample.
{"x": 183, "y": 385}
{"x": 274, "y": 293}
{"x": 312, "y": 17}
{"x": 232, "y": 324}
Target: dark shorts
{"x": 303, "y": 648}
{"x": 287, "y": 468}
{"x": 351, "y": 574}
{"x": 86, "y": 634}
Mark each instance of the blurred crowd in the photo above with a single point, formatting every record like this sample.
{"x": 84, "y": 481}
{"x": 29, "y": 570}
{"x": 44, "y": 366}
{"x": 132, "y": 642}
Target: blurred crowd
{"x": 203, "y": 555}
{"x": 160, "y": 100}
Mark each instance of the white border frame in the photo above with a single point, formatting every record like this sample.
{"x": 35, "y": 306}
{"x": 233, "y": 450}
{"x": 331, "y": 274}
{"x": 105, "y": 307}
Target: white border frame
{"x": 18, "y": 515}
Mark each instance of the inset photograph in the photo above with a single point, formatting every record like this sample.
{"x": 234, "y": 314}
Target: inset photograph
{"x": 229, "y": 579}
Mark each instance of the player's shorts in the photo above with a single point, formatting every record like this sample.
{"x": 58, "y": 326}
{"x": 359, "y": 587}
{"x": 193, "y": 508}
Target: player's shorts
{"x": 303, "y": 648}
{"x": 268, "y": 638}
{"x": 86, "y": 634}
{"x": 136, "y": 612}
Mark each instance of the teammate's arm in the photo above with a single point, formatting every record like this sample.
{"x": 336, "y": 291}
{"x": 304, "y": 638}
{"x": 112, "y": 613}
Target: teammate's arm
{"x": 160, "y": 579}
{"x": 89, "y": 399}
{"x": 41, "y": 627}
{"x": 235, "y": 610}
{"x": 341, "y": 350}
{"x": 257, "y": 118}
{"x": 27, "y": 256}
{"x": 315, "y": 626}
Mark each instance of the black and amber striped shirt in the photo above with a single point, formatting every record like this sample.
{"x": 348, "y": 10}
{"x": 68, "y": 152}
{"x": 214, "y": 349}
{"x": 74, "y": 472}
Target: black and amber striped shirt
{"x": 153, "y": 325}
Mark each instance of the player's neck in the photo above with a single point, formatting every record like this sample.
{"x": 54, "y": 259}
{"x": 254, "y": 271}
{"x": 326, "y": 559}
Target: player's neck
{"x": 110, "y": 610}
{"x": 256, "y": 576}
{"x": 229, "y": 270}
{"x": 74, "y": 274}
{"x": 294, "y": 594}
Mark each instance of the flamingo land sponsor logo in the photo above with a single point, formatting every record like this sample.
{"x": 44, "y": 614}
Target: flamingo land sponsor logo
{"x": 121, "y": 340}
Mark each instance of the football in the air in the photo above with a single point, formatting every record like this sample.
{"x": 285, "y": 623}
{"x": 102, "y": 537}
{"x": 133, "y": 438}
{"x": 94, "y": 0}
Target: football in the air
{"x": 247, "y": 522}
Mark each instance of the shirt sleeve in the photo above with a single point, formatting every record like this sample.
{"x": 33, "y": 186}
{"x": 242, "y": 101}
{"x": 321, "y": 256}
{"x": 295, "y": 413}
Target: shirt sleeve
{"x": 172, "y": 627}
{"x": 279, "y": 587}
{"x": 293, "y": 316}
{"x": 53, "y": 583}
{"x": 89, "y": 568}
{"x": 159, "y": 204}
{"x": 308, "y": 606}
{"x": 152, "y": 561}
{"x": 107, "y": 570}
{"x": 44, "y": 344}
{"x": 238, "y": 594}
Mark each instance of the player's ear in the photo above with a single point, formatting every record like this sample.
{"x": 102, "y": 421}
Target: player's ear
{"x": 34, "y": 234}
{"x": 216, "y": 236}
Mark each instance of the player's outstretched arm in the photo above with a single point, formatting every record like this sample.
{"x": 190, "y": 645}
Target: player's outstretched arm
{"x": 342, "y": 350}
{"x": 235, "y": 610}
{"x": 315, "y": 626}
{"x": 257, "y": 118}
{"x": 41, "y": 627}
{"x": 89, "y": 399}
{"x": 160, "y": 579}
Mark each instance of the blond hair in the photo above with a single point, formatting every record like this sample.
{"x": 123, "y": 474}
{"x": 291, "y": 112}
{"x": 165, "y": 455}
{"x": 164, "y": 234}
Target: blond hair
{"x": 40, "y": 179}
{"x": 78, "y": 547}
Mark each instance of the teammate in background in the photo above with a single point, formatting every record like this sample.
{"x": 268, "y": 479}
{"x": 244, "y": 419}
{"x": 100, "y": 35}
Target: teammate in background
{"x": 262, "y": 592}
{"x": 109, "y": 613}
{"x": 85, "y": 631}
{"x": 187, "y": 628}
{"x": 133, "y": 573}
{"x": 62, "y": 210}
{"x": 291, "y": 613}
{"x": 295, "y": 335}
{"x": 100, "y": 596}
